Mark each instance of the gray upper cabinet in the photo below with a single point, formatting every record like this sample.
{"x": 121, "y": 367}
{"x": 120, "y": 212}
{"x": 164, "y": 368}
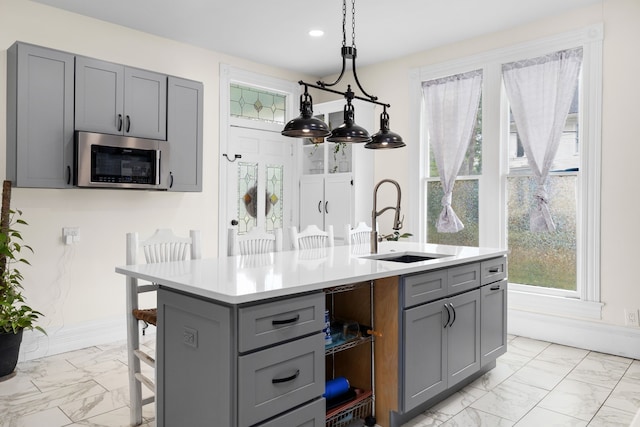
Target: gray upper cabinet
{"x": 184, "y": 133}
{"x": 39, "y": 117}
{"x": 111, "y": 98}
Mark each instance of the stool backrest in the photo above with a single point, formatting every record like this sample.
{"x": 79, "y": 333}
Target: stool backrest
{"x": 311, "y": 237}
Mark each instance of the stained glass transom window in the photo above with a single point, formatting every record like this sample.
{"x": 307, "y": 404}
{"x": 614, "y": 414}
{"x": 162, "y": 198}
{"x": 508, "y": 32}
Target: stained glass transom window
{"x": 247, "y": 196}
{"x": 257, "y": 104}
{"x": 274, "y": 197}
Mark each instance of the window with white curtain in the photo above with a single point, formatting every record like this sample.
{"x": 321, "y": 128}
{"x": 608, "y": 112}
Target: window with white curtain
{"x": 539, "y": 200}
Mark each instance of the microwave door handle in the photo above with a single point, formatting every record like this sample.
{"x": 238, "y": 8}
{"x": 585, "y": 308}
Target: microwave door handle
{"x": 158, "y": 154}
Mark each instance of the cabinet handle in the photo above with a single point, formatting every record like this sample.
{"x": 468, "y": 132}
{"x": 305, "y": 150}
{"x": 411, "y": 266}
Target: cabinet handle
{"x": 128, "y": 123}
{"x": 119, "y": 122}
{"x": 171, "y": 180}
{"x": 495, "y": 287}
{"x": 68, "y": 174}
{"x": 494, "y": 269}
{"x": 287, "y": 379}
{"x": 454, "y": 315}
{"x": 448, "y": 316}
{"x": 326, "y": 207}
{"x": 320, "y": 206}
{"x": 286, "y": 321}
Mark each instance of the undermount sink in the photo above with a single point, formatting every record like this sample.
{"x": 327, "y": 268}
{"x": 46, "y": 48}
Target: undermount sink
{"x": 405, "y": 257}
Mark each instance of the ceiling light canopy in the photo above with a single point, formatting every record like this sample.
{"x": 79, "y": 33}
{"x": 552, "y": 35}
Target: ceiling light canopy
{"x": 306, "y": 126}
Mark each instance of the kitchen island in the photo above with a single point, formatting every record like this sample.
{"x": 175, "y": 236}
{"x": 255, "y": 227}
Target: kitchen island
{"x": 240, "y": 339}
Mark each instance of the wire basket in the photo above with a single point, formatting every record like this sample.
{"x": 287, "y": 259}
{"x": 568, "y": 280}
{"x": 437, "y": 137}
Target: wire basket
{"x": 359, "y": 411}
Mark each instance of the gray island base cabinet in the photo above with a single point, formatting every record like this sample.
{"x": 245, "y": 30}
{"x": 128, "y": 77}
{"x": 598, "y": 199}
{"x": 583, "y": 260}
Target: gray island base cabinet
{"x": 450, "y": 328}
{"x": 209, "y": 376}
{"x": 243, "y": 346}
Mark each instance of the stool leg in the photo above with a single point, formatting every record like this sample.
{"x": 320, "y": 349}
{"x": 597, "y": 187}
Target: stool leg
{"x": 133, "y": 343}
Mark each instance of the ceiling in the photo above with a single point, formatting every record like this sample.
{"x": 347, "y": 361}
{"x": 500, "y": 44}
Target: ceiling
{"x": 275, "y": 32}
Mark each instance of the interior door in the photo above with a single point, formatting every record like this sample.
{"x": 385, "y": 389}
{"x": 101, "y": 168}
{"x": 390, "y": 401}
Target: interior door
{"x": 259, "y": 182}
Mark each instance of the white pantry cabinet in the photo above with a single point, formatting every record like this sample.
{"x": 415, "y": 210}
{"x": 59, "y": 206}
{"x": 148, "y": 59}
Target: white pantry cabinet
{"x": 336, "y": 180}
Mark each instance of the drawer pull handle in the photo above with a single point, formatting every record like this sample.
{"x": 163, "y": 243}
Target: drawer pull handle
{"x": 494, "y": 270}
{"x": 287, "y": 379}
{"x": 286, "y": 321}
{"x": 494, "y": 288}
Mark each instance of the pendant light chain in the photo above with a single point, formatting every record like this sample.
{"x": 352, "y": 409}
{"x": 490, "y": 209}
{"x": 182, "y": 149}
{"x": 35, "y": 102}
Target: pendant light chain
{"x": 353, "y": 23}
{"x": 344, "y": 23}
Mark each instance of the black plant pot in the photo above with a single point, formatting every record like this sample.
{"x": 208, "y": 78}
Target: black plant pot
{"x": 9, "y": 349}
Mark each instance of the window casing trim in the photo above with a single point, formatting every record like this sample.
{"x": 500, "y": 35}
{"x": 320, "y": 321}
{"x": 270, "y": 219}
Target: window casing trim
{"x": 495, "y": 112}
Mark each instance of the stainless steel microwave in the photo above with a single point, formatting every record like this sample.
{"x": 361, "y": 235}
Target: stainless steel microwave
{"x": 113, "y": 161}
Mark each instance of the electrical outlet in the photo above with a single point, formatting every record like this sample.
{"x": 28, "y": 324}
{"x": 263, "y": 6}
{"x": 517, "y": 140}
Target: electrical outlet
{"x": 70, "y": 235}
{"x": 190, "y": 337}
{"x": 631, "y": 317}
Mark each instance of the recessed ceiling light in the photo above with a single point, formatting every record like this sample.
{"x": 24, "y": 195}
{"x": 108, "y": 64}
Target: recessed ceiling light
{"x": 316, "y": 33}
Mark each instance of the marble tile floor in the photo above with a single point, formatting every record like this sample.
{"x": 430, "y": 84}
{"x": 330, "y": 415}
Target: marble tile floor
{"x": 535, "y": 384}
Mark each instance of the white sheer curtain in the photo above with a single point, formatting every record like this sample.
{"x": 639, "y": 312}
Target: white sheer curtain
{"x": 540, "y": 92}
{"x": 451, "y": 106}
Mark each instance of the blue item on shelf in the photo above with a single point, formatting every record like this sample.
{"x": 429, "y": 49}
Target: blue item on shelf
{"x": 336, "y": 387}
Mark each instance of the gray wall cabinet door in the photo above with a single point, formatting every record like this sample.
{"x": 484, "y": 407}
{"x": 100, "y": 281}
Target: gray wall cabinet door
{"x": 114, "y": 99}
{"x": 99, "y": 96}
{"x": 463, "y": 339}
{"x": 425, "y": 353}
{"x": 493, "y": 323}
{"x": 184, "y": 133}
{"x": 39, "y": 117}
{"x": 194, "y": 377}
{"x": 145, "y": 104}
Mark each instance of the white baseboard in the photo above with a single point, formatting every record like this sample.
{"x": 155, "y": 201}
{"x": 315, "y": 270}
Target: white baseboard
{"x": 68, "y": 338}
{"x": 589, "y": 335}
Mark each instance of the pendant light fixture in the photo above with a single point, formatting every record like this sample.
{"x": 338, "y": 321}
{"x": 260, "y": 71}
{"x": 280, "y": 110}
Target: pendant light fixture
{"x": 306, "y": 125}
{"x": 385, "y": 138}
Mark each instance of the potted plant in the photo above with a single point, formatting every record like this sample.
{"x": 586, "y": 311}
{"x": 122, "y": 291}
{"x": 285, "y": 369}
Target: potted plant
{"x": 15, "y": 315}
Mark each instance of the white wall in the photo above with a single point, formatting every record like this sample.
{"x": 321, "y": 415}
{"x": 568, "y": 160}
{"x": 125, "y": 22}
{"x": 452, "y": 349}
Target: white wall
{"x": 76, "y": 286}
{"x": 620, "y": 147}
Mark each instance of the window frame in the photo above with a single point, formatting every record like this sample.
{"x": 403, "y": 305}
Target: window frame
{"x": 585, "y": 302}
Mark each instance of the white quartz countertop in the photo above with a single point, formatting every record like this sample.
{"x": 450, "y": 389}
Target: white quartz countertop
{"x": 249, "y": 278}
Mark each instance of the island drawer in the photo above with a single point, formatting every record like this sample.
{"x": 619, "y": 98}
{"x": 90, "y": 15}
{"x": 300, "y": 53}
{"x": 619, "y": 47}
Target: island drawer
{"x": 274, "y": 322}
{"x": 463, "y": 278}
{"x": 273, "y": 380}
{"x": 493, "y": 270}
{"x": 424, "y": 287}
{"x": 309, "y": 415}
{"x": 432, "y": 285}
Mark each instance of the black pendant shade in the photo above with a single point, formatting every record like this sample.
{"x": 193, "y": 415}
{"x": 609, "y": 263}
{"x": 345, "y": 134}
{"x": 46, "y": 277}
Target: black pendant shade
{"x": 306, "y": 126}
{"x": 349, "y": 131}
{"x": 385, "y": 138}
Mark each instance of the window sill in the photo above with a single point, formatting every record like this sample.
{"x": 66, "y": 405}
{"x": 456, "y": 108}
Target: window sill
{"x": 555, "y": 305}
